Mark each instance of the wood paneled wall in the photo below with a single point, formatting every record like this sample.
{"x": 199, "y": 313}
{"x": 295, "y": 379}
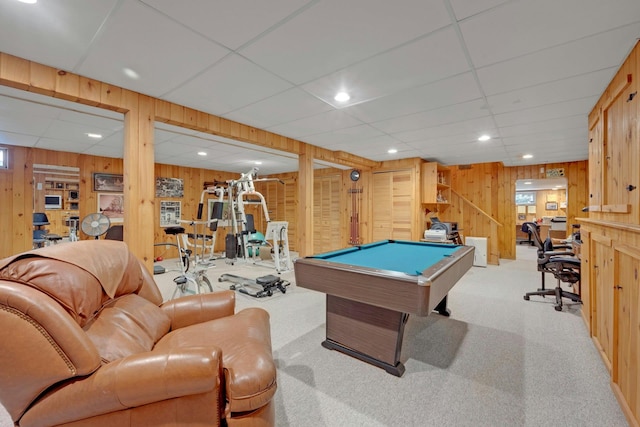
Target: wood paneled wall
{"x": 491, "y": 186}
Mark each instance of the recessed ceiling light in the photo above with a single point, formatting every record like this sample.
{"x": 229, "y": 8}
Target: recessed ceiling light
{"x": 528, "y": 183}
{"x": 28, "y": 1}
{"x": 342, "y": 97}
{"x": 392, "y": 151}
{"x": 527, "y": 156}
{"x": 484, "y": 138}
{"x": 94, "y": 135}
{"x": 202, "y": 153}
{"x": 257, "y": 162}
{"x": 130, "y": 73}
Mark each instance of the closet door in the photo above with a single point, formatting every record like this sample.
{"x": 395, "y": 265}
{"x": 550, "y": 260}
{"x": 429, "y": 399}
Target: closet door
{"x": 393, "y": 205}
{"x": 602, "y": 301}
{"x": 327, "y": 213}
{"x": 625, "y": 370}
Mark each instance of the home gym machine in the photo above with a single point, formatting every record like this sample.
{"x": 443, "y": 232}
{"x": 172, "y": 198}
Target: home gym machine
{"x": 263, "y": 286}
{"x": 233, "y": 196}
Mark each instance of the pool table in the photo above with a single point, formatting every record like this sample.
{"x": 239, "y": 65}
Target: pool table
{"x": 371, "y": 290}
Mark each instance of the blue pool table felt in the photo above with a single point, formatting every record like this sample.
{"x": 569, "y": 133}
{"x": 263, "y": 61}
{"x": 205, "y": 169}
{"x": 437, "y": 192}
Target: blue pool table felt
{"x": 407, "y": 257}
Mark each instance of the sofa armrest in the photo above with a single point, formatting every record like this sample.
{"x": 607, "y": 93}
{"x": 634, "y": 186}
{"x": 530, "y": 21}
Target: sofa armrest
{"x": 193, "y": 309}
{"x": 131, "y": 382}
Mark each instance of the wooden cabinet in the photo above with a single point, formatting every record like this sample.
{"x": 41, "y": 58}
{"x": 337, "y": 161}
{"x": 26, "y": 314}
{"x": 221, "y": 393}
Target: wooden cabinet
{"x": 611, "y": 234}
{"x": 602, "y": 302}
{"x": 69, "y": 193}
{"x": 436, "y": 185}
{"x": 610, "y": 280}
{"x": 614, "y": 176}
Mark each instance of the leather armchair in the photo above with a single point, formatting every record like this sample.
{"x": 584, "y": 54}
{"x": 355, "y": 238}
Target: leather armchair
{"x": 86, "y": 340}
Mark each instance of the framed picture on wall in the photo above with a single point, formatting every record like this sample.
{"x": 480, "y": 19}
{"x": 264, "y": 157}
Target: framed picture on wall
{"x": 551, "y": 206}
{"x": 169, "y": 213}
{"x": 112, "y": 206}
{"x": 169, "y": 187}
{"x": 525, "y": 198}
{"x": 103, "y": 182}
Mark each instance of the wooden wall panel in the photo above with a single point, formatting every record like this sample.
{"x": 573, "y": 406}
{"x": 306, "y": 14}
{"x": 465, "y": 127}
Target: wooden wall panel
{"x": 15, "y": 212}
{"x": 491, "y": 186}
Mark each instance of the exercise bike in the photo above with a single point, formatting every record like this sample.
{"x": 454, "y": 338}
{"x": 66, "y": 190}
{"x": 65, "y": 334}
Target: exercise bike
{"x": 191, "y": 280}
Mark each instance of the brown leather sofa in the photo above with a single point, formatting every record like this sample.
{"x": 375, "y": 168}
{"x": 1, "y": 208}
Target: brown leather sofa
{"x": 86, "y": 340}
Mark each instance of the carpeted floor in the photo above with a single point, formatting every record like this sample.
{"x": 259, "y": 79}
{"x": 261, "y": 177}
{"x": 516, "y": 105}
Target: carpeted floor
{"x": 497, "y": 361}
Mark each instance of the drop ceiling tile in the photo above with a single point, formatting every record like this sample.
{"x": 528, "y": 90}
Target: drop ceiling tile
{"x": 72, "y": 132}
{"x": 343, "y": 136}
{"x": 25, "y": 108}
{"x": 423, "y": 61}
{"x": 288, "y": 106}
{"x": 562, "y": 109}
{"x": 466, "y": 8}
{"x": 62, "y": 145}
{"x": 440, "y": 116}
{"x": 560, "y": 62}
{"x": 323, "y": 122}
{"x": 165, "y": 54}
{"x": 230, "y": 84}
{"x": 98, "y": 125}
{"x": 472, "y": 129}
{"x": 380, "y": 143}
{"x": 104, "y": 151}
{"x": 18, "y": 139}
{"x": 523, "y": 27}
{"x": 333, "y": 34}
{"x": 454, "y": 90}
{"x": 545, "y": 136}
{"x": 53, "y": 33}
{"x": 232, "y": 23}
{"x": 571, "y": 123}
{"x": 19, "y": 123}
{"x": 168, "y": 149}
{"x": 552, "y": 92}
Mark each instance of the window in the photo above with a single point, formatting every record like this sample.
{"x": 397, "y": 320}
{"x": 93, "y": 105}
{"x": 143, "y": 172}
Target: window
{"x": 4, "y": 158}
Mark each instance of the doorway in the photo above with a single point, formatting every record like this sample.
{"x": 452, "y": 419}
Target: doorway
{"x": 544, "y": 202}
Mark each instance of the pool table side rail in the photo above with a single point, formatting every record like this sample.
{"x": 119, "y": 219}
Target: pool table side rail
{"x": 413, "y": 294}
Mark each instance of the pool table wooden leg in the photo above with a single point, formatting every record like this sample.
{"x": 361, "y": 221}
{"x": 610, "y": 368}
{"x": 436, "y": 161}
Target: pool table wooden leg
{"x": 370, "y": 333}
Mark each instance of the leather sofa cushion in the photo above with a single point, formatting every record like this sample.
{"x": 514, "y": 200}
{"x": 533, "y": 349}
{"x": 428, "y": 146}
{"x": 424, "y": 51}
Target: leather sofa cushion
{"x": 127, "y": 325}
{"x": 75, "y": 289}
{"x": 245, "y": 340}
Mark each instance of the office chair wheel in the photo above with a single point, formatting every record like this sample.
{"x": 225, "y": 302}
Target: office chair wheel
{"x": 527, "y": 298}
{"x": 558, "y": 308}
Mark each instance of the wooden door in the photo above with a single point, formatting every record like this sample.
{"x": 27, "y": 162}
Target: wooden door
{"x": 393, "y": 205}
{"x": 327, "y": 213}
{"x": 625, "y": 372}
{"x": 602, "y": 306}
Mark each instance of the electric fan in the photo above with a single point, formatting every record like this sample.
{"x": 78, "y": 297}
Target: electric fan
{"x": 95, "y": 224}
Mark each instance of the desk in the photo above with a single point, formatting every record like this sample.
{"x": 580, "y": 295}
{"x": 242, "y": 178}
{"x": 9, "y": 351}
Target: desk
{"x": 371, "y": 290}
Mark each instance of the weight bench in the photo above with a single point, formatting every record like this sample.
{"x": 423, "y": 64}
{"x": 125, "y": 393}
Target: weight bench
{"x": 260, "y": 287}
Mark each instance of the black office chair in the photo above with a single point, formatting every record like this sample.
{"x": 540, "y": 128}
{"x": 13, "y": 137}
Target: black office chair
{"x": 41, "y": 236}
{"x": 115, "y": 232}
{"x": 525, "y": 229}
{"x": 559, "y": 261}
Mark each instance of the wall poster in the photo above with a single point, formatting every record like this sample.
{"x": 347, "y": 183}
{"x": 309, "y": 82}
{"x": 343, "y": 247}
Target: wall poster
{"x": 169, "y": 213}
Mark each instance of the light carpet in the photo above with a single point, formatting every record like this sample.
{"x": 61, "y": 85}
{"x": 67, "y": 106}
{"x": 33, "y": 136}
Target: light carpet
{"x": 497, "y": 361}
